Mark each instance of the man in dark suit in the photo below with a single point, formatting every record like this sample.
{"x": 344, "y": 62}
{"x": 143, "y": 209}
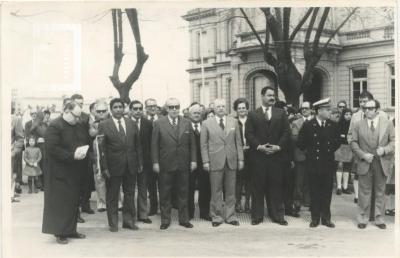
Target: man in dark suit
{"x": 173, "y": 149}
{"x": 145, "y": 128}
{"x": 320, "y": 139}
{"x": 121, "y": 164}
{"x": 199, "y": 175}
{"x": 267, "y": 132}
{"x": 152, "y": 178}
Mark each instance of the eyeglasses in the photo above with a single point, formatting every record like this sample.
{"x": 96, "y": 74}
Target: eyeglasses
{"x": 151, "y": 106}
{"x": 174, "y": 107}
{"x": 101, "y": 111}
{"x": 369, "y": 108}
{"x": 137, "y": 108}
{"x": 340, "y": 106}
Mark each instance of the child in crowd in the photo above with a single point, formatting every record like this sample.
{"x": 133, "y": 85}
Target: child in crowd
{"x": 344, "y": 154}
{"x": 32, "y": 157}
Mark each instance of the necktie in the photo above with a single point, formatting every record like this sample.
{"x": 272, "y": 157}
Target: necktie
{"x": 266, "y": 114}
{"x": 196, "y": 128}
{"x": 152, "y": 118}
{"x": 174, "y": 121}
{"x": 372, "y": 126}
{"x": 323, "y": 124}
{"x": 221, "y": 123}
{"x": 120, "y": 128}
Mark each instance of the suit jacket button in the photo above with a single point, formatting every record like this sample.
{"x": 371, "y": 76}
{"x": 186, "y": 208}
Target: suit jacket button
{"x": 317, "y": 150}
{"x": 317, "y": 157}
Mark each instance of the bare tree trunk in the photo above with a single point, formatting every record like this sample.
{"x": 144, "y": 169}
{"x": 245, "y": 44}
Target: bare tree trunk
{"x": 124, "y": 87}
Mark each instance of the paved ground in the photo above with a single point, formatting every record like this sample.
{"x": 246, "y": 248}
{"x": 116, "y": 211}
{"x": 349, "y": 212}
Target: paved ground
{"x": 266, "y": 239}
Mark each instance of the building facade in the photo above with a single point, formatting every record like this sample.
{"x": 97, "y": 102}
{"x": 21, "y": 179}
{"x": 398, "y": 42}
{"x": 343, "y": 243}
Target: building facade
{"x": 226, "y": 60}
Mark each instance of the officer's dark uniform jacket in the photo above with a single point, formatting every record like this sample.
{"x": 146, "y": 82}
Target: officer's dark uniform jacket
{"x": 319, "y": 143}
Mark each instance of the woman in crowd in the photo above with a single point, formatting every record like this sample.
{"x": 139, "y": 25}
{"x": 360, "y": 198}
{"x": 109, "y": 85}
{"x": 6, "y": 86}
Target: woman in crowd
{"x": 343, "y": 155}
{"x": 209, "y": 113}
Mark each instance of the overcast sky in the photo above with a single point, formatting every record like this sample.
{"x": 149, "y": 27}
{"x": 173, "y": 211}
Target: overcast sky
{"x": 77, "y": 56}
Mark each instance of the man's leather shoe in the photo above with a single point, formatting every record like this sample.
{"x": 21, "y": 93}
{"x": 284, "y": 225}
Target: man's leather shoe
{"x": 186, "y": 224}
{"x": 216, "y": 224}
{"x": 101, "y": 210}
{"x": 146, "y": 221}
{"x": 80, "y": 220}
{"x": 256, "y": 222}
{"x": 113, "y": 229}
{"x": 381, "y": 226}
{"x": 314, "y": 224}
{"x": 207, "y": 217}
{"x": 164, "y": 226}
{"x": 361, "y": 225}
{"x": 130, "y": 226}
{"x": 87, "y": 210}
{"x": 281, "y": 222}
{"x": 77, "y": 235}
{"x": 329, "y": 224}
{"x": 234, "y": 223}
{"x": 62, "y": 240}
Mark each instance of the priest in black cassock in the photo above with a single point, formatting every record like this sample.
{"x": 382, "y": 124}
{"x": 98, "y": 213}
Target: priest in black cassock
{"x": 65, "y": 166}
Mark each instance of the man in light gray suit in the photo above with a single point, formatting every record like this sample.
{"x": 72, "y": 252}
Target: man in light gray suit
{"x": 222, "y": 153}
{"x": 372, "y": 141}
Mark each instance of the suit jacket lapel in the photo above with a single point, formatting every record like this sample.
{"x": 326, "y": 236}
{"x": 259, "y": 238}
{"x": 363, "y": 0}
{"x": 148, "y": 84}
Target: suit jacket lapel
{"x": 129, "y": 128}
{"x": 181, "y": 127}
{"x": 382, "y": 126}
{"x": 114, "y": 129}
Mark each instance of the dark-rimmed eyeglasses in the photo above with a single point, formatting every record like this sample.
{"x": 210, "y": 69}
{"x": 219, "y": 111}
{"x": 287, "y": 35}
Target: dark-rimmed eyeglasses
{"x": 174, "y": 107}
{"x": 151, "y": 106}
{"x": 101, "y": 111}
{"x": 340, "y": 106}
{"x": 369, "y": 108}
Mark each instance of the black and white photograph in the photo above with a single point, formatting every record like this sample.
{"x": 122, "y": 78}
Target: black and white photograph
{"x": 199, "y": 129}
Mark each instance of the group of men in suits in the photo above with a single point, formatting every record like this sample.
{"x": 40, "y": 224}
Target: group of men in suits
{"x": 174, "y": 156}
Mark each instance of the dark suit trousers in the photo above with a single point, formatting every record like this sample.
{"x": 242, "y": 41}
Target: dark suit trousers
{"x": 267, "y": 180}
{"x": 202, "y": 179}
{"x": 40, "y": 182}
{"x": 301, "y": 195}
{"x": 166, "y": 184}
{"x": 288, "y": 185}
{"x": 321, "y": 185}
{"x": 142, "y": 195}
{"x": 152, "y": 187}
{"x": 87, "y": 185}
{"x": 113, "y": 185}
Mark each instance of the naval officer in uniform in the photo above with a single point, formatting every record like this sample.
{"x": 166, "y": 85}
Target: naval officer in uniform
{"x": 320, "y": 139}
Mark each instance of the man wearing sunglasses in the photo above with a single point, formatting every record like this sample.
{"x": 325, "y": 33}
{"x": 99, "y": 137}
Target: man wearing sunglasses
{"x": 341, "y": 105}
{"x": 152, "y": 179}
{"x": 364, "y": 97}
{"x": 173, "y": 149}
{"x": 145, "y": 128}
{"x": 373, "y": 144}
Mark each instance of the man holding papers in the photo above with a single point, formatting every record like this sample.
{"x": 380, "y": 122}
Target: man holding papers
{"x": 66, "y": 147}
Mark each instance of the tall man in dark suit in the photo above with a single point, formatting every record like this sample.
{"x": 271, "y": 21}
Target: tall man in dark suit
{"x": 320, "y": 139}
{"x": 173, "y": 149}
{"x": 121, "y": 164}
{"x": 152, "y": 178}
{"x": 145, "y": 128}
{"x": 268, "y": 134}
{"x": 373, "y": 142}
{"x": 199, "y": 175}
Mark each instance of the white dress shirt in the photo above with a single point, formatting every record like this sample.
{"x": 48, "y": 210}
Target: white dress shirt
{"x": 155, "y": 117}
{"x": 171, "y": 120}
{"x": 268, "y": 111}
{"x": 320, "y": 121}
{"x": 219, "y": 119}
{"x": 376, "y": 122}
{"x": 198, "y": 126}
{"x": 122, "y": 123}
{"x": 137, "y": 122}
